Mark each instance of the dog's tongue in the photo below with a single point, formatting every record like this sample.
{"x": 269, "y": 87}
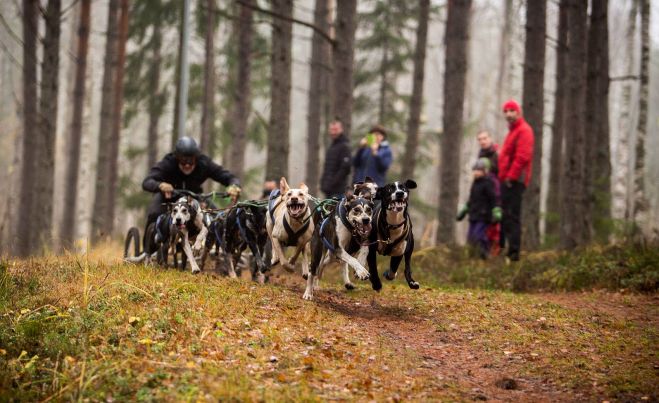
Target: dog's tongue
{"x": 367, "y": 228}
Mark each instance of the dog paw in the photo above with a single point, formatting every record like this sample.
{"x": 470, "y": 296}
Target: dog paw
{"x": 414, "y": 285}
{"x": 349, "y": 286}
{"x": 305, "y": 276}
{"x": 196, "y": 270}
{"x": 232, "y": 274}
{"x": 377, "y": 286}
{"x": 389, "y": 275}
{"x": 308, "y": 296}
{"x": 362, "y": 274}
{"x": 197, "y": 246}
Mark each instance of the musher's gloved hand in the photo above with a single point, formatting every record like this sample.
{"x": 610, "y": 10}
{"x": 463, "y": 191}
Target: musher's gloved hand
{"x": 234, "y": 192}
{"x": 462, "y": 213}
{"x": 166, "y": 189}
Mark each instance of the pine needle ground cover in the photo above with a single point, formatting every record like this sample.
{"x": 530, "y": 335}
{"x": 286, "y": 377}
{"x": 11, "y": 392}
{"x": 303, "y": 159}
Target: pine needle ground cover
{"x": 94, "y": 328}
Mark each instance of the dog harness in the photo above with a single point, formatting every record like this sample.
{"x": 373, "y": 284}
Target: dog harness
{"x": 293, "y": 236}
{"x": 383, "y": 231}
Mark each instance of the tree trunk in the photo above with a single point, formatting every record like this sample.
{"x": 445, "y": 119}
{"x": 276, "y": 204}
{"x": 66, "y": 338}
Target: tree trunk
{"x": 101, "y": 198}
{"x": 242, "y": 94}
{"x": 416, "y": 102}
{"x": 573, "y": 225}
{"x": 457, "y": 43}
{"x": 558, "y": 127}
{"x": 26, "y": 217}
{"x": 384, "y": 76}
{"x": 598, "y": 166}
{"x": 343, "y": 55}
{"x": 533, "y": 107}
{"x": 113, "y": 163}
{"x": 621, "y": 192}
{"x": 504, "y": 58}
{"x": 72, "y": 169}
{"x": 317, "y": 99}
{"x": 280, "y": 100}
{"x": 641, "y": 204}
{"x": 208, "y": 105}
{"x": 45, "y": 169}
{"x": 177, "y": 77}
{"x": 156, "y": 103}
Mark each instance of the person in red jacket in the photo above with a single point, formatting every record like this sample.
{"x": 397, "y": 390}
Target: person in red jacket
{"x": 515, "y": 160}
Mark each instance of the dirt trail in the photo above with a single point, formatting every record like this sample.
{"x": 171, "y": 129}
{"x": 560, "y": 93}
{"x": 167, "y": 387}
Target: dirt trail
{"x": 443, "y": 357}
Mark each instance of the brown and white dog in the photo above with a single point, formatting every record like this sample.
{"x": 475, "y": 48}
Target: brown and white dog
{"x": 186, "y": 223}
{"x": 343, "y": 236}
{"x": 289, "y": 223}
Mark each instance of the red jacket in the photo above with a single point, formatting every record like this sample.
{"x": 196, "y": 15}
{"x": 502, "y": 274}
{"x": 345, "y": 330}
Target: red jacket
{"x": 516, "y": 155}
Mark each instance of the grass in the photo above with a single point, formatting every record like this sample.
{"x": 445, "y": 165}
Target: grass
{"x": 73, "y": 328}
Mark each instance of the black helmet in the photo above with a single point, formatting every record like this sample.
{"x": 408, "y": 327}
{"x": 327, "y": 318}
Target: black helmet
{"x": 186, "y": 147}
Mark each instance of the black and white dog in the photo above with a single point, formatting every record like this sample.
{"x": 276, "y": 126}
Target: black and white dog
{"x": 366, "y": 188}
{"x": 186, "y": 223}
{"x": 245, "y": 227}
{"x": 341, "y": 236}
{"x": 392, "y": 234}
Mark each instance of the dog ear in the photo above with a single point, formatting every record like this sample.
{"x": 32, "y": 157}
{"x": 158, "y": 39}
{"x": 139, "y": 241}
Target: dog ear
{"x": 304, "y": 187}
{"x": 378, "y": 194}
{"x": 350, "y": 196}
{"x": 283, "y": 186}
{"x": 368, "y": 179}
{"x": 190, "y": 202}
{"x": 410, "y": 184}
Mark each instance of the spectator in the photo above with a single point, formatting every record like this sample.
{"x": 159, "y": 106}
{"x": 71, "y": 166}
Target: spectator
{"x": 489, "y": 150}
{"x": 337, "y": 162}
{"x": 515, "y": 161}
{"x": 374, "y": 157}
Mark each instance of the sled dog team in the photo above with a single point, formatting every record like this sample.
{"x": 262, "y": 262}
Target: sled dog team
{"x": 368, "y": 221}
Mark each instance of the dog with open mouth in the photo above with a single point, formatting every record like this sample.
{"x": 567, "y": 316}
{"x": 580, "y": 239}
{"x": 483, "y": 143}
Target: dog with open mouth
{"x": 344, "y": 236}
{"x": 392, "y": 234}
{"x": 289, "y": 223}
{"x": 186, "y": 224}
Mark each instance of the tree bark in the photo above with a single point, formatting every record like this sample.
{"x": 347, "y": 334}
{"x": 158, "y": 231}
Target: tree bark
{"x": 208, "y": 105}
{"x": 101, "y": 198}
{"x": 457, "y": 42}
{"x": 641, "y": 204}
{"x": 552, "y": 226}
{"x": 343, "y": 55}
{"x": 45, "y": 168}
{"x": 573, "y": 231}
{"x": 242, "y": 94}
{"x": 533, "y": 107}
{"x": 156, "y": 103}
{"x": 26, "y": 217}
{"x": 280, "y": 100}
{"x": 319, "y": 70}
{"x": 416, "y": 101}
{"x": 113, "y": 161}
{"x": 72, "y": 169}
{"x": 598, "y": 166}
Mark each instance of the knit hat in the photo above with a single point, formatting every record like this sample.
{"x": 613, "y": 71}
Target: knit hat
{"x": 512, "y": 104}
{"x": 482, "y": 164}
{"x": 378, "y": 129}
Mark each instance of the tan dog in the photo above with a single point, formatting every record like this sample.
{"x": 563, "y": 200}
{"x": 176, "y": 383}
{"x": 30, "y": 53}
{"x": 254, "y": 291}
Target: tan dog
{"x": 289, "y": 223}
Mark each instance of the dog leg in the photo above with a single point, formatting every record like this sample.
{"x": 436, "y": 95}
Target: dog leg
{"x": 373, "y": 268}
{"x": 305, "y": 261}
{"x": 279, "y": 253}
{"x": 346, "y": 277}
{"x": 308, "y": 292}
{"x": 408, "y": 266}
{"x": 201, "y": 238}
{"x": 360, "y": 271}
{"x": 393, "y": 268}
{"x": 232, "y": 267}
{"x": 188, "y": 252}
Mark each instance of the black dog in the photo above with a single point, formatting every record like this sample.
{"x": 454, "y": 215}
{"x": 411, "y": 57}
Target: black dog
{"x": 392, "y": 234}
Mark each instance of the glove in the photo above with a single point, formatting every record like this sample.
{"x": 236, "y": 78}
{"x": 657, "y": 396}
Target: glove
{"x": 497, "y": 214}
{"x": 166, "y": 189}
{"x": 462, "y": 213}
{"x": 234, "y": 192}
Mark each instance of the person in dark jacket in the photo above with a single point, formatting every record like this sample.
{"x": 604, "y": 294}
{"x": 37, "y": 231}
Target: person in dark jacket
{"x": 515, "y": 162}
{"x": 374, "y": 157}
{"x": 337, "y": 162}
{"x": 185, "y": 168}
{"x": 481, "y": 208}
